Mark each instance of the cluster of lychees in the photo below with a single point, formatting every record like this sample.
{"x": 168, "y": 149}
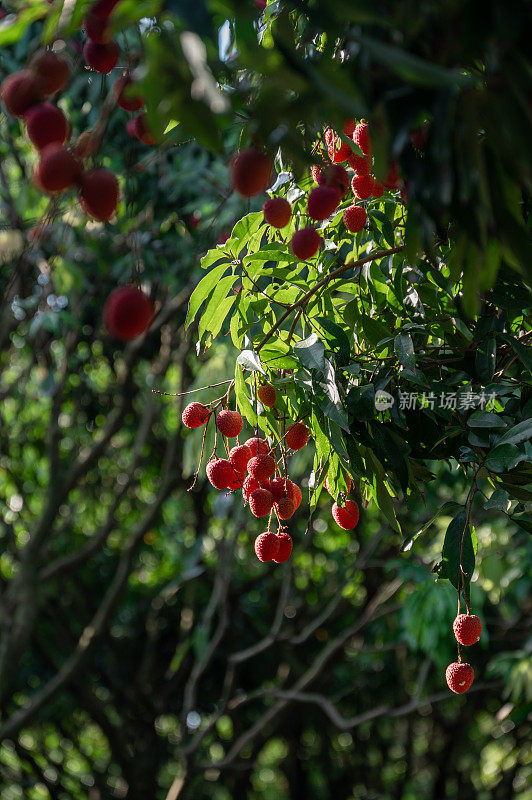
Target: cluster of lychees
{"x": 459, "y": 675}
{"x": 253, "y": 468}
{"x": 251, "y": 171}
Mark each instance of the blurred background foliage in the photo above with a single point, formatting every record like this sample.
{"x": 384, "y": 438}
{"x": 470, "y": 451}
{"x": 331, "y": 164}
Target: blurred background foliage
{"x": 145, "y": 651}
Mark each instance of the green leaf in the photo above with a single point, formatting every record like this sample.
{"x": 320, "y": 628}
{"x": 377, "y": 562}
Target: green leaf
{"x": 336, "y": 338}
{"x": 523, "y": 353}
{"x": 504, "y": 457}
{"x": 203, "y": 290}
{"x": 250, "y": 361}
{"x": 450, "y": 505}
{"x": 485, "y": 419}
{"x": 217, "y": 308}
{"x": 456, "y": 533}
{"x": 385, "y": 503}
{"x": 498, "y": 499}
{"x": 310, "y": 352}
{"x": 404, "y": 350}
{"x": 519, "y": 433}
{"x": 485, "y": 359}
{"x": 242, "y": 399}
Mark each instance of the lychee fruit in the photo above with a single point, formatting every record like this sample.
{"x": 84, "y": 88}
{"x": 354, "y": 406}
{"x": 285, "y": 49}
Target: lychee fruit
{"x": 267, "y": 394}
{"x": 459, "y": 677}
{"x": 104, "y": 8}
{"x": 267, "y": 546}
{"x": 278, "y": 487}
{"x": 237, "y": 480}
{"x": 362, "y": 139}
{"x": 101, "y": 57}
{"x": 250, "y": 172}
{"x": 391, "y": 181}
{"x": 333, "y": 175}
{"x": 142, "y": 130}
{"x": 125, "y": 95}
{"x": 337, "y": 149}
{"x": 57, "y": 169}
{"x": 347, "y": 516}
{"x": 97, "y": 28}
{"x": 87, "y": 144}
{"x": 360, "y": 164}
{"x": 261, "y": 467}
{"x": 45, "y": 124}
{"x": 127, "y": 313}
{"x": 362, "y": 186}
{"x": 220, "y": 473}
{"x": 323, "y": 201}
{"x": 258, "y": 447}
{"x": 239, "y": 457}
{"x": 261, "y": 5}
{"x": 229, "y": 423}
{"x": 294, "y": 493}
{"x": 355, "y": 218}
{"x": 297, "y": 436}
{"x": 195, "y": 415}
{"x": 305, "y": 243}
{"x": 260, "y": 502}
{"x": 20, "y": 91}
{"x": 99, "y": 193}
{"x": 328, "y": 488}
{"x": 249, "y": 486}
{"x": 467, "y": 629}
{"x": 378, "y": 188}
{"x": 277, "y": 211}
{"x": 285, "y": 548}
{"x": 349, "y": 127}
{"x": 285, "y": 508}
{"x": 52, "y": 71}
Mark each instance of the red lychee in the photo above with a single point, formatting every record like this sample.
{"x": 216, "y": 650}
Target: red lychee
{"x": 249, "y": 486}
{"x": 277, "y": 211}
{"x": 195, "y": 415}
{"x": 220, "y": 473}
{"x": 267, "y": 394}
{"x": 346, "y": 517}
{"x": 285, "y": 548}
{"x": 101, "y": 57}
{"x": 237, "y": 480}
{"x": 229, "y": 423}
{"x": 267, "y": 546}
{"x": 260, "y": 502}
{"x": 127, "y": 313}
{"x": 250, "y": 172}
{"x": 294, "y": 493}
{"x": 45, "y": 124}
{"x": 378, "y": 188}
{"x": 359, "y": 163}
{"x": 328, "y": 488}
{"x": 297, "y": 436}
{"x": 467, "y": 629}
{"x": 97, "y": 28}
{"x": 362, "y": 186}
{"x": 362, "y": 139}
{"x": 285, "y": 508}
{"x": 58, "y": 169}
{"x": 142, "y": 131}
{"x": 261, "y": 4}
{"x": 99, "y": 193}
{"x": 305, "y": 243}
{"x": 322, "y": 202}
{"x": 51, "y": 70}
{"x": 332, "y": 175}
{"x": 104, "y": 8}
{"x": 258, "y": 447}
{"x": 125, "y": 95}
{"x": 337, "y": 149}
{"x": 278, "y": 487}
{"x": 459, "y": 677}
{"x": 349, "y": 127}
{"x": 391, "y": 181}
{"x": 355, "y": 218}
{"x": 239, "y": 457}
{"x": 20, "y": 91}
{"x": 261, "y": 467}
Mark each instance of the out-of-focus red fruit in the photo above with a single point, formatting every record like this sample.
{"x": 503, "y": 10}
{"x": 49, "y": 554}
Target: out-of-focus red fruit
{"x": 419, "y": 137}
{"x": 101, "y": 58}
{"x": 285, "y": 548}
{"x": 99, "y": 193}
{"x": 58, "y": 169}
{"x": 323, "y": 201}
{"x": 97, "y": 28}
{"x": 20, "y": 91}
{"x": 125, "y": 95}
{"x": 250, "y": 172}
{"x": 378, "y": 188}
{"x": 277, "y": 211}
{"x": 142, "y": 130}
{"x": 127, "y": 313}
{"x": 45, "y": 124}
{"x": 104, "y": 8}
{"x": 391, "y": 181}
{"x": 305, "y": 243}
{"x": 261, "y": 4}
{"x": 52, "y": 71}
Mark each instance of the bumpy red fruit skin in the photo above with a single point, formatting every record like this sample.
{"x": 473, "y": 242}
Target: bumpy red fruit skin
{"x": 195, "y": 415}
{"x": 297, "y": 436}
{"x": 249, "y": 485}
{"x": 237, "y": 480}
{"x": 125, "y": 96}
{"x": 322, "y": 202}
{"x": 267, "y": 395}
{"x": 258, "y": 447}
{"x": 328, "y": 488}
{"x": 101, "y": 57}
{"x": 52, "y": 71}
{"x": 277, "y": 211}
{"x": 261, "y": 467}
{"x": 285, "y": 548}
{"x": 349, "y": 127}
{"x": 362, "y": 186}
{"x": 20, "y": 91}
{"x": 285, "y": 508}
{"x": 355, "y": 218}
{"x": 127, "y": 313}
{"x": 305, "y": 243}
{"x": 278, "y": 487}
{"x": 250, "y": 172}
{"x": 97, "y": 29}
{"x": 239, "y": 457}
{"x": 294, "y": 493}
{"x": 260, "y": 502}
{"x": 45, "y": 124}
{"x": 346, "y": 517}
{"x": 467, "y": 629}
{"x": 359, "y": 163}
{"x": 337, "y": 149}
{"x": 267, "y": 546}
{"x": 220, "y": 473}
{"x": 142, "y": 131}
{"x": 229, "y": 423}
{"x": 378, "y": 189}
{"x": 57, "y": 169}
{"x": 459, "y": 677}
{"x": 361, "y": 137}
{"x": 332, "y": 175}
{"x": 99, "y": 193}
